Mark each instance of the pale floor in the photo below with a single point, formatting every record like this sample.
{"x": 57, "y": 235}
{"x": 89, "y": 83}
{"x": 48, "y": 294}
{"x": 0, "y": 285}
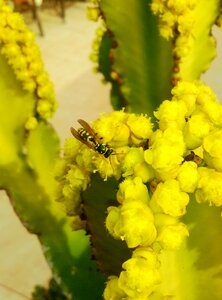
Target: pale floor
{"x": 65, "y": 49}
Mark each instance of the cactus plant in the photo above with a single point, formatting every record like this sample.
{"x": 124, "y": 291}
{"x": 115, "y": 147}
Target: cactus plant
{"x": 143, "y": 182}
{"x": 29, "y": 149}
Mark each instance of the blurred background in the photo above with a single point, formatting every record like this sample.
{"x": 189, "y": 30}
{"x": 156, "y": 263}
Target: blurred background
{"x": 64, "y": 35}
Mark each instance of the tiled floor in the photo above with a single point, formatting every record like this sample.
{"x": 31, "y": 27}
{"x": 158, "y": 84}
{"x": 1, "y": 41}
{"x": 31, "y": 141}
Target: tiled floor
{"x": 65, "y": 50}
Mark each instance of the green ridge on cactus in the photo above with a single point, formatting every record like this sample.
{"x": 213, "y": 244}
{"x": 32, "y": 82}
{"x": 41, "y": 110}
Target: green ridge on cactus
{"x": 142, "y": 58}
{"x": 105, "y": 66}
{"x": 26, "y": 167}
{"x": 196, "y": 266}
{"x": 109, "y": 253}
{"x": 203, "y": 45}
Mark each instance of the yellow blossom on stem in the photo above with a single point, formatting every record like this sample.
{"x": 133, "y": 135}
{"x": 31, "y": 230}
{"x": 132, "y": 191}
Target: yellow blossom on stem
{"x": 133, "y": 222}
{"x": 71, "y": 148}
{"x": 170, "y": 198}
{"x": 141, "y": 274}
{"x": 188, "y": 176}
{"x": 212, "y": 145}
{"x": 197, "y": 127}
{"x": 172, "y": 236}
{"x": 209, "y": 186}
{"x": 135, "y": 165}
{"x": 166, "y": 152}
{"x": 72, "y": 199}
{"x": 112, "y": 290}
{"x": 132, "y": 189}
{"x": 112, "y": 128}
{"x": 147, "y": 163}
{"x": 77, "y": 178}
{"x": 31, "y": 123}
{"x": 140, "y": 127}
{"x": 171, "y": 114}
{"x": 186, "y": 92}
{"x": 22, "y": 54}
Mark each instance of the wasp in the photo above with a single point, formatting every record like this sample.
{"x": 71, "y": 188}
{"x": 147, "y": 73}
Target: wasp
{"x": 87, "y": 136}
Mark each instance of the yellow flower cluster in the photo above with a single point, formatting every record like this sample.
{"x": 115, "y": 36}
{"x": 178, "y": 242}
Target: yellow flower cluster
{"x": 73, "y": 175}
{"x": 158, "y": 171}
{"x": 137, "y": 281}
{"x": 116, "y": 131}
{"x": 176, "y": 21}
{"x": 94, "y": 55}
{"x": 176, "y": 16}
{"x": 94, "y": 14}
{"x": 17, "y": 44}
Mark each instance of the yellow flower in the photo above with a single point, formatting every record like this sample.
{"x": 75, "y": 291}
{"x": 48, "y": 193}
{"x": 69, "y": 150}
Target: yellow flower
{"x": 171, "y": 114}
{"x": 71, "y": 200}
{"x": 212, "y": 145}
{"x": 71, "y": 148}
{"x": 196, "y": 128}
{"x": 170, "y": 198}
{"x": 140, "y": 127}
{"x": 22, "y": 54}
{"x": 141, "y": 274}
{"x": 93, "y": 13}
{"x": 77, "y": 178}
{"x": 132, "y": 189}
{"x": 188, "y": 176}
{"x": 170, "y": 13}
{"x": 172, "y": 236}
{"x": 135, "y": 165}
{"x": 112, "y": 128}
{"x": 214, "y": 112}
{"x": 31, "y": 123}
{"x": 133, "y": 222}
{"x": 209, "y": 186}
{"x": 186, "y": 92}
{"x": 112, "y": 290}
{"x": 166, "y": 152}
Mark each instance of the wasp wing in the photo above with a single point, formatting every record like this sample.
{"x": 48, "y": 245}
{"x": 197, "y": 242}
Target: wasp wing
{"x": 88, "y": 128}
{"x": 76, "y": 134}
